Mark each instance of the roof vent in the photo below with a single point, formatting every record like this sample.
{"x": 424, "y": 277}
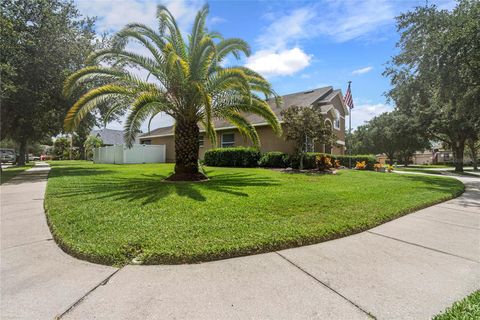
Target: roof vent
{"x": 308, "y": 91}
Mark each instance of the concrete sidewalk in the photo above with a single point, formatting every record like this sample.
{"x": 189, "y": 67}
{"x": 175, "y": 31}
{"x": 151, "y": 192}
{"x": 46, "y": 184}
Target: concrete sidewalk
{"x": 410, "y": 268}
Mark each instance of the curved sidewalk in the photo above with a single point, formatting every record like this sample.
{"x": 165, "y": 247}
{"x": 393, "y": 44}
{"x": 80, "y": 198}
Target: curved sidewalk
{"x": 412, "y": 267}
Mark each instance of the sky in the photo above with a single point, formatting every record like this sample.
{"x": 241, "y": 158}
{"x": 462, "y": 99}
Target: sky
{"x": 296, "y": 45}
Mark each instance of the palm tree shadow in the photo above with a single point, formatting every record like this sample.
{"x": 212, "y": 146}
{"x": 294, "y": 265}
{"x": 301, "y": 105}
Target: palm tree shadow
{"x": 150, "y": 188}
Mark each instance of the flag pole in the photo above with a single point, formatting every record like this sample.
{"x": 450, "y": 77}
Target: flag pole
{"x": 349, "y": 132}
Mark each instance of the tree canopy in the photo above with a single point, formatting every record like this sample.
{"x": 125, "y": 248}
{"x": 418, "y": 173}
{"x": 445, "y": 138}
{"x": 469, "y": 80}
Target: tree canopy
{"x": 41, "y": 42}
{"x": 436, "y": 75}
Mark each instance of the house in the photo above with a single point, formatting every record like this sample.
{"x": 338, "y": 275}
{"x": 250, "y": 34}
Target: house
{"x": 328, "y": 100}
{"x": 110, "y": 137}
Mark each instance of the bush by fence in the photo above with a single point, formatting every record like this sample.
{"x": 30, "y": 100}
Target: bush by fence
{"x": 232, "y": 157}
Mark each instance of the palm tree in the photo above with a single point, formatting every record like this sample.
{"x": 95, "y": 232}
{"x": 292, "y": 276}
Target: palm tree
{"x": 189, "y": 84}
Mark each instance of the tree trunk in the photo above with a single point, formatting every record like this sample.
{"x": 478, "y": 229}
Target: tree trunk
{"x": 187, "y": 134}
{"x": 473, "y": 154}
{"x": 22, "y": 152}
{"x": 458, "y": 149}
{"x": 390, "y": 158}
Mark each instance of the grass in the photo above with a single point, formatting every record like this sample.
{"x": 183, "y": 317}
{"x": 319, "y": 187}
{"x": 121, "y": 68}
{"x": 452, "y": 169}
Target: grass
{"x": 11, "y": 172}
{"x": 466, "y": 309}
{"x": 111, "y": 214}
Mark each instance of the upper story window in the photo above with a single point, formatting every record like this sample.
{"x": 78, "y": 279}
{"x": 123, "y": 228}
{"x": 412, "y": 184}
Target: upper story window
{"x": 336, "y": 121}
{"x": 146, "y": 142}
{"x": 201, "y": 140}
{"x": 228, "y": 140}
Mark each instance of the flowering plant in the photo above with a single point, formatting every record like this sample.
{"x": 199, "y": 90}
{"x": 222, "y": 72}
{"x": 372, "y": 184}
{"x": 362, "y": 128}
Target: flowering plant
{"x": 360, "y": 165}
{"x": 389, "y": 168}
{"x": 336, "y": 164}
{"x": 323, "y": 162}
{"x": 377, "y": 167}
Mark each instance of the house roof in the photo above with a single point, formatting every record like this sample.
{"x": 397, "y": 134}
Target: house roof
{"x": 321, "y": 96}
{"x": 109, "y": 136}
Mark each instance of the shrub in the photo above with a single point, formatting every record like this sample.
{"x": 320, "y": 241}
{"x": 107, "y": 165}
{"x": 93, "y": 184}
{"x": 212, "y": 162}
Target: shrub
{"x": 323, "y": 162}
{"x": 368, "y": 159}
{"x": 338, "y": 160}
{"x": 232, "y": 157}
{"x": 274, "y": 159}
{"x": 360, "y": 165}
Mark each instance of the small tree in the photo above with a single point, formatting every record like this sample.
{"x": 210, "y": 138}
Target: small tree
{"x": 306, "y": 127}
{"x": 91, "y": 143}
{"x": 61, "y": 147}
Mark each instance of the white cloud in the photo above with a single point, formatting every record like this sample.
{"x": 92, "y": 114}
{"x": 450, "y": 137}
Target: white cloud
{"x": 114, "y": 14}
{"x": 362, "y": 70}
{"x": 216, "y": 20}
{"x": 281, "y": 62}
{"x": 286, "y": 28}
{"x": 339, "y": 20}
{"x": 363, "y": 112}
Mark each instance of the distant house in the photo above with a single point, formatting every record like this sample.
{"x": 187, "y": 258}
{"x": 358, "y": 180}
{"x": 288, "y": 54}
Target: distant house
{"x": 109, "y": 137}
{"x": 328, "y": 100}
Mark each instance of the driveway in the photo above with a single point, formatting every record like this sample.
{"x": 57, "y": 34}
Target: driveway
{"x": 412, "y": 267}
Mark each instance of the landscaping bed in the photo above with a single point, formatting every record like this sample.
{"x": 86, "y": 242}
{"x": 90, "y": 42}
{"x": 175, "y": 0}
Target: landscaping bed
{"x": 112, "y": 214}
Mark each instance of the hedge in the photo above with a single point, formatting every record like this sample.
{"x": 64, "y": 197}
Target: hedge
{"x": 251, "y": 157}
{"x": 309, "y": 160}
{"x": 274, "y": 159}
{"x": 232, "y": 157}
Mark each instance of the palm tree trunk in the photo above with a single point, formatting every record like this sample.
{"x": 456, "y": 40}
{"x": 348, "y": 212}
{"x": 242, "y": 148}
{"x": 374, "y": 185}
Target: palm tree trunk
{"x": 186, "y": 152}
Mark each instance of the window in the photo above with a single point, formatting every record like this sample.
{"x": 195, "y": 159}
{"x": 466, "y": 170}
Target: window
{"x": 147, "y": 142}
{"x": 201, "y": 141}
{"x": 228, "y": 140}
{"x": 336, "y": 122}
{"x": 328, "y": 123}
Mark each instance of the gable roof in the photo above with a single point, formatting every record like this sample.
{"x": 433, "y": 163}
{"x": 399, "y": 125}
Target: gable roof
{"x": 320, "y": 96}
{"x": 109, "y": 136}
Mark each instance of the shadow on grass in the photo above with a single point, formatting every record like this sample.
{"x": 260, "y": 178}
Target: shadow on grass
{"x": 62, "y": 171}
{"x": 150, "y": 188}
{"x": 444, "y": 185}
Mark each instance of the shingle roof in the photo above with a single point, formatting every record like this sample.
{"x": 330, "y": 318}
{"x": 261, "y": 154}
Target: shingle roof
{"x": 301, "y": 99}
{"x": 109, "y": 136}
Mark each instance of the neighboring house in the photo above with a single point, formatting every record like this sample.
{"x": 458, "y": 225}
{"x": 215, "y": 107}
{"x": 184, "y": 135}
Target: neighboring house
{"x": 329, "y": 101}
{"x": 110, "y": 137}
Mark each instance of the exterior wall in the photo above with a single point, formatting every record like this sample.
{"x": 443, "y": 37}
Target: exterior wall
{"x": 169, "y": 143}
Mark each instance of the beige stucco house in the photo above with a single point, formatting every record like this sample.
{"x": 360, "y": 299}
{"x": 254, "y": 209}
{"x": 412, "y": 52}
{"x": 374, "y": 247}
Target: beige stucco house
{"x": 329, "y": 101}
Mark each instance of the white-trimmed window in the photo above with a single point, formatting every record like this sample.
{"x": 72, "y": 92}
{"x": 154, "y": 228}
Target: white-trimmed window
{"x": 201, "y": 141}
{"x": 328, "y": 123}
{"x": 336, "y": 121}
{"x": 228, "y": 140}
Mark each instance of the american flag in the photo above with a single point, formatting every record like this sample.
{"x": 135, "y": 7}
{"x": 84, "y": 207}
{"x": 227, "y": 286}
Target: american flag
{"x": 348, "y": 97}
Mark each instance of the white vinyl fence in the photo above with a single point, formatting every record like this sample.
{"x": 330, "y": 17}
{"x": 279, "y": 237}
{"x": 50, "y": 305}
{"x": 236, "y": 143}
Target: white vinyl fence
{"x": 138, "y": 153}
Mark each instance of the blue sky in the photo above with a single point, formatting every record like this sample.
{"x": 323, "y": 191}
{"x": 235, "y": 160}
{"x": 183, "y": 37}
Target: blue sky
{"x": 297, "y": 45}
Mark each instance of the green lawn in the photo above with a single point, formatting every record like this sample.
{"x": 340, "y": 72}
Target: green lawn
{"x": 466, "y": 309}
{"x": 112, "y": 213}
{"x": 11, "y": 172}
